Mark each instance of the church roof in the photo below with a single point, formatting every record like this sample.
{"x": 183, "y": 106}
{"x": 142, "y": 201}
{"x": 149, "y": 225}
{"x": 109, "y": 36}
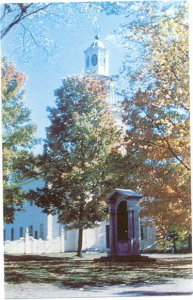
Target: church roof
{"x": 97, "y": 43}
{"x": 123, "y": 192}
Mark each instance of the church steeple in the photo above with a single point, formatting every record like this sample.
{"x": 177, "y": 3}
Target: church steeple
{"x": 97, "y": 58}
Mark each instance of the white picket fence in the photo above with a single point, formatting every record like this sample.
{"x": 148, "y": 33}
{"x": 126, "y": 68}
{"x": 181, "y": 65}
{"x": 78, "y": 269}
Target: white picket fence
{"x": 29, "y": 245}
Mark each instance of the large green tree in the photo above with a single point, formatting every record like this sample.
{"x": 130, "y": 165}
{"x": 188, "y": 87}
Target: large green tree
{"x": 17, "y": 138}
{"x": 82, "y": 146}
{"x": 158, "y": 121}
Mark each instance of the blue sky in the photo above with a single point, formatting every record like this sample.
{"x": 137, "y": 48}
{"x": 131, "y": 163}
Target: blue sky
{"x": 68, "y": 38}
{"x": 44, "y": 75}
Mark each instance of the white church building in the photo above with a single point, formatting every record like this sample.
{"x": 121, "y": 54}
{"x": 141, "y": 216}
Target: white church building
{"x": 35, "y": 232}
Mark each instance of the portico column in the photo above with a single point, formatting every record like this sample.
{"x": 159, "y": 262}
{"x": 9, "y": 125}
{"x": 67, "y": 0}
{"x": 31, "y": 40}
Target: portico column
{"x": 112, "y": 231}
{"x": 133, "y": 229}
{"x": 136, "y": 230}
{"x": 130, "y": 229}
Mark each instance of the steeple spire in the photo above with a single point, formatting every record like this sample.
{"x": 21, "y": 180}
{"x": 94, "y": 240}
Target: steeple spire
{"x": 97, "y": 58}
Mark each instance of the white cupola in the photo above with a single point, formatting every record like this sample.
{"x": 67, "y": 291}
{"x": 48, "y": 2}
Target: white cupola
{"x": 97, "y": 58}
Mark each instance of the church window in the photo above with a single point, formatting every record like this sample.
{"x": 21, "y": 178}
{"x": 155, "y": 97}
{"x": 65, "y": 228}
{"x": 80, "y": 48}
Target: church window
{"x": 21, "y": 232}
{"x": 65, "y": 235}
{"x": 94, "y": 59}
{"x": 36, "y": 234}
{"x": 41, "y": 231}
{"x": 4, "y": 234}
{"x": 31, "y": 230}
{"x": 143, "y": 232}
{"x": 87, "y": 61}
{"x": 12, "y": 234}
{"x": 31, "y": 203}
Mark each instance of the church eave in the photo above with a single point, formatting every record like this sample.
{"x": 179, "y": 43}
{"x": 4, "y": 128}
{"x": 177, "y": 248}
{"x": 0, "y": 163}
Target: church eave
{"x": 127, "y": 194}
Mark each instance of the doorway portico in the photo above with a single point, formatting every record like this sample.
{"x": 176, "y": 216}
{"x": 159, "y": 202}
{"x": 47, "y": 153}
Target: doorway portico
{"x": 124, "y": 222}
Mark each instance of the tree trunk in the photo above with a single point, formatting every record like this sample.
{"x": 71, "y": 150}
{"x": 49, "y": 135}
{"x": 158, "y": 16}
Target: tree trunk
{"x": 190, "y": 243}
{"x": 80, "y": 237}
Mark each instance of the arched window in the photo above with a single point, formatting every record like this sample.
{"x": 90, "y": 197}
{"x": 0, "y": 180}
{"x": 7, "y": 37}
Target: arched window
{"x": 31, "y": 230}
{"x": 94, "y": 59}
{"x": 21, "y": 232}
{"x": 122, "y": 221}
{"x": 36, "y": 234}
{"x": 87, "y": 61}
{"x": 12, "y": 234}
{"x": 41, "y": 231}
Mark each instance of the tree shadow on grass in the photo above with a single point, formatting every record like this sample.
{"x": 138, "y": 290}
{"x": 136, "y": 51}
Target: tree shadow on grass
{"x": 25, "y": 257}
{"x": 73, "y": 273}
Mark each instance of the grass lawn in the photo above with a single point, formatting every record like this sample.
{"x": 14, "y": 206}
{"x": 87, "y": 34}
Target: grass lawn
{"x": 73, "y": 272}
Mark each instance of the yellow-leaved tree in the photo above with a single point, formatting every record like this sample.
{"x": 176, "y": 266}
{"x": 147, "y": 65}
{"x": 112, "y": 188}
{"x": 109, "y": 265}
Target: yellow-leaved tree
{"x": 158, "y": 128}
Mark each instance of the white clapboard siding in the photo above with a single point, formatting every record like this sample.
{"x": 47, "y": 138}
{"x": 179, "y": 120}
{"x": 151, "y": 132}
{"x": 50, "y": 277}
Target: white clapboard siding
{"x": 29, "y": 215}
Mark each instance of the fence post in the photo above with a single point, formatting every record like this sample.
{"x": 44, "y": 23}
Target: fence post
{"x": 62, "y": 245}
{"x": 27, "y": 241}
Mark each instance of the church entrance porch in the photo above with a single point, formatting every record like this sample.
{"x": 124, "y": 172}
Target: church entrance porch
{"x": 124, "y": 222}
{"x": 124, "y": 226}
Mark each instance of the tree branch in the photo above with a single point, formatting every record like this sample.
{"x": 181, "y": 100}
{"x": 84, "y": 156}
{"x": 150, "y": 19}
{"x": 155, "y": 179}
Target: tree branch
{"x": 20, "y": 16}
{"x": 33, "y": 38}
